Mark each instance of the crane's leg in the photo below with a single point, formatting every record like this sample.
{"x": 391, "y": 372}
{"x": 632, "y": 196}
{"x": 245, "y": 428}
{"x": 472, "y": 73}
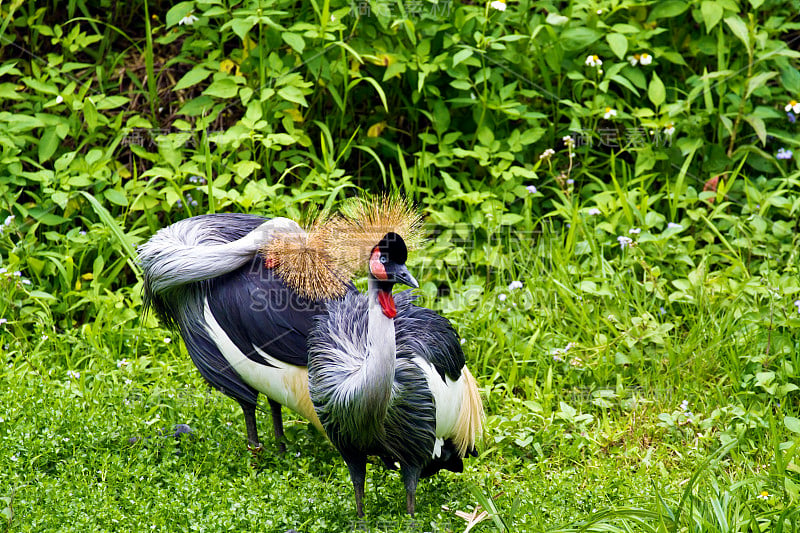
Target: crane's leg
{"x": 358, "y": 475}
{"x": 277, "y": 424}
{"x": 249, "y": 410}
{"x": 410, "y": 479}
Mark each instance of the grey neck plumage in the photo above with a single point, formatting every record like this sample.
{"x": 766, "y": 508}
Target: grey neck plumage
{"x": 378, "y": 369}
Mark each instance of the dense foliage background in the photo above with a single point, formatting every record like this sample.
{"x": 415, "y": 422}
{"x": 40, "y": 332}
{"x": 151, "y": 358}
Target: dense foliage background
{"x": 612, "y": 192}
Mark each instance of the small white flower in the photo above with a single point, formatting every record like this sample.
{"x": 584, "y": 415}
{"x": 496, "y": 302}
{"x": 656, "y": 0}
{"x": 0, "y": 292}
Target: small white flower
{"x": 624, "y": 242}
{"x": 26, "y": 282}
{"x": 645, "y": 58}
{"x": 568, "y": 140}
{"x": 673, "y": 225}
{"x": 188, "y": 20}
{"x": 502, "y": 297}
{"x": 599, "y": 11}
{"x": 82, "y": 232}
{"x": 634, "y": 231}
{"x": 3, "y": 321}
{"x": 167, "y": 340}
{"x": 17, "y": 273}
{"x": 547, "y": 154}
{"x": 669, "y": 130}
{"x": 531, "y": 189}
{"x": 570, "y": 181}
{"x": 44, "y": 336}
{"x": 593, "y": 61}
{"x": 59, "y": 99}
{"x": 763, "y": 495}
{"x": 128, "y": 381}
{"x": 463, "y": 341}
{"x": 793, "y": 105}
{"x": 73, "y": 374}
{"x": 9, "y": 220}
{"x": 634, "y": 59}
{"x": 499, "y": 5}
{"x": 797, "y": 305}
{"x": 3, "y": 270}
{"x": 594, "y": 211}
{"x": 610, "y": 113}
{"x": 122, "y": 362}
{"x": 14, "y": 458}
{"x": 515, "y": 285}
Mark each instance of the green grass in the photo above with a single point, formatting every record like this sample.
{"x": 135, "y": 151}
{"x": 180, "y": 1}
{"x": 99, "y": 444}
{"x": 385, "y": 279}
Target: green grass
{"x": 590, "y": 437}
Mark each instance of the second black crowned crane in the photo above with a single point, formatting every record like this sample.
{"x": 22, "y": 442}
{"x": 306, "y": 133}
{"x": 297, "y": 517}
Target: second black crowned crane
{"x": 388, "y": 378}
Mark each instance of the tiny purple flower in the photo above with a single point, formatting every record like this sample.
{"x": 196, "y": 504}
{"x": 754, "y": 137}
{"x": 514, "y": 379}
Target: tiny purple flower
{"x": 531, "y": 189}
{"x": 791, "y": 116}
{"x": 624, "y": 242}
{"x": 784, "y": 154}
{"x": 594, "y": 211}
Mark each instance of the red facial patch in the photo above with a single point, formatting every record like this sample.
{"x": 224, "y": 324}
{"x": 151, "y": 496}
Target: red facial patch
{"x": 375, "y": 265}
{"x": 387, "y": 304}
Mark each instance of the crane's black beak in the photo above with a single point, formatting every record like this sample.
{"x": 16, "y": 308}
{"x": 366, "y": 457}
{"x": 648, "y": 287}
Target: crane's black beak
{"x": 402, "y": 275}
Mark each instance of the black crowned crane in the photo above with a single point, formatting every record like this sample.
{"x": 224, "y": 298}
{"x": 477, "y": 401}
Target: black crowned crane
{"x": 388, "y": 378}
{"x": 244, "y": 328}
{"x": 243, "y": 292}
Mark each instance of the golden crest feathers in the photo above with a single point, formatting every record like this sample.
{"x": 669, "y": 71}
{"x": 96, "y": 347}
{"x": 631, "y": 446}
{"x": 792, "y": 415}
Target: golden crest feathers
{"x": 363, "y": 222}
{"x": 320, "y": 262}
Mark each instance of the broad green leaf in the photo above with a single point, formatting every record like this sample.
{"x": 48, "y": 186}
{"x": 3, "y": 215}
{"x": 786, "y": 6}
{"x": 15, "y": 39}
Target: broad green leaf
{"x": 667, "y": 9}
{"x": 111, "y": 102}
{"x": 579, "y": 38}
{"x": 295, "y": 41}
{"x": 618, "y": 44}
{"x": 222, "y": 88}
{"x": 293, "y": 94}
{"x": 656, "y": 91}
{"x": 759, "y": 127}
{"x": 116, "y": 197}
{"x": 739, "y": 29}
{"x": 461, "y": 55}
{"x": 441, "y": 117}
{"x": 712, "y": 13}
{"x": 511, "y": 219}
{"x": 244, "y": 168}
{"x": 90, "y": 115}
{"x": 48, "y": 144}
{"x": 193, "y": 77}
{"x": 178, "y": 12}
{"x": 242, "y": 25}
{"x": 757, "y": 81}
{"x": 790, "y": 78}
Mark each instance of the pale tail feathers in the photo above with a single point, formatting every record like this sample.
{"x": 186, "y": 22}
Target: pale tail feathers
{"x": 194, "y": 250}
{"x": 469, "y": 426}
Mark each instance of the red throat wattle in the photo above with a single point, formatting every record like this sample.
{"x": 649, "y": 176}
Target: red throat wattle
{"x": 387, "y": 304}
